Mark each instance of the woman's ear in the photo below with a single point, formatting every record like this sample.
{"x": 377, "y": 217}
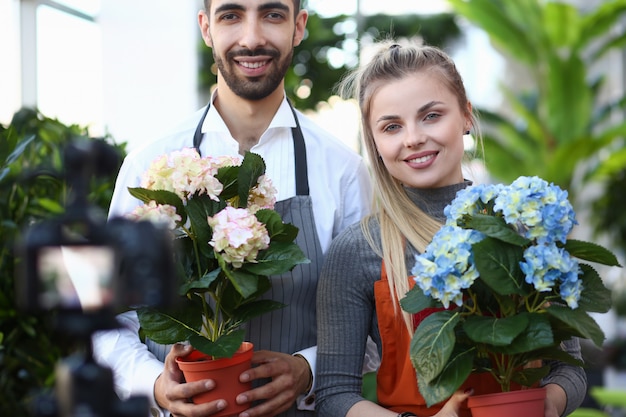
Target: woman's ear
{"x": 468, "y": 119}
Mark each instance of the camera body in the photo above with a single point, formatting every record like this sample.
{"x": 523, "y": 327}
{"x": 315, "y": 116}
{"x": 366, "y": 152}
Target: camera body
{"x": 86, "y": 269}
{"x": 75, "y": 264}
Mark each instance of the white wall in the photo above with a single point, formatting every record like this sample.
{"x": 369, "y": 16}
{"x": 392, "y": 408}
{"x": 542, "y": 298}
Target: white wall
{"x": 10, "y": 95}
{"x": 150, "y": 66}
{"x": 146, "y": 66}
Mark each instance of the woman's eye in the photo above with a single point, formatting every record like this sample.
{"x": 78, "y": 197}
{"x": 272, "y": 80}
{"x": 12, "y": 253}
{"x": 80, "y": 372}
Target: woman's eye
{"x": 391, "y": 128}
{"x": 432, "y": 116}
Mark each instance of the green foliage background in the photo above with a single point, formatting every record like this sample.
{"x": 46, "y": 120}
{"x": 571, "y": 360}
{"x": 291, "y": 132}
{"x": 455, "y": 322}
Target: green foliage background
{"x": 32, "y": 189}
{"x": 561, "y": 125}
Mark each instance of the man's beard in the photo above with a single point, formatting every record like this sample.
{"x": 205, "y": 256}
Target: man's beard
{"x": 255, "y": 88}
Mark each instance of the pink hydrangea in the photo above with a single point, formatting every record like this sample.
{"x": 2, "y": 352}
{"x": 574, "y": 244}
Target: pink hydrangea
{"x": 263, "y": 196}
{"x": 238, "y": 235}
{"x": 162, "y": 214}
{"x": 184, "y": 173}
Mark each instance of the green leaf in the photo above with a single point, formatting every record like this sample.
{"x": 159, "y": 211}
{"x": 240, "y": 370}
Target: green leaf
{"x": 276, "y": 229}
{"x": 51, "y": 205}
{"x": 529, "y": 376}
{"x": 497, "y": 263}
{"x": 450, "y": 379}
{"x": 496, "y": 228}
{"x": 600, "y": 21}
{"x": 567, "y": 89}
{"x": 251, "y": 169}
{"x": 257, "y": 308}
{"x": 561, "y": 23}
{"x": 245, "y": 283}
{"x": 199, "y": 285}
{"x": 168, "y": 327}
{"x": 224, "y": 347}
{"x": 160, "y": 196}
{"x": 595, "y": 296}
{"x": 279, "y": 258}
{"x": 432, "y": 344}
{"x": 493, "y": 330}
{"x": 591, "y": 252}
{"x": 537, "y": 335}
{"x": 580, "y": 321}
{"x": 502, "y": 30}
{"x": 20, "y": 149}
{"x": 555, "y": 353}
{"x": 199, "y": 209}
{"x": 415, "y": 301}
{"x": 228, "y": 177}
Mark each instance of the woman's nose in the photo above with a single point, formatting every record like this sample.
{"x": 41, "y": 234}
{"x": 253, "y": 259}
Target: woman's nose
{"x": 414, "y": 137}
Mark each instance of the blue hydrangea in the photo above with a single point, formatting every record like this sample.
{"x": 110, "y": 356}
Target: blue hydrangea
{"x": 538, "y": 210}
{"x": 548, "y": 267}
{"x": 447, "y": 265}
{"x": 470, "y": 200}
{"x": 570, "y": 292}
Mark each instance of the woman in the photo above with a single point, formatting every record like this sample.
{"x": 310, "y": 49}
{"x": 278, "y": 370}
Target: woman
{"x": 414, "y": 114}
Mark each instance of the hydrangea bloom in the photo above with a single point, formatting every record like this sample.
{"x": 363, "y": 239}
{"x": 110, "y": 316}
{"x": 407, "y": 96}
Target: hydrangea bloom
{"x": 470, "y": 201}
{"x": 163, "y": 214}
{"x": 535, "y": 209}
{"x": 238, "y": 235}
{"x": 263, "y": 196}
{"x": 184, "y": 173}
{"x": 446, "y": 267}
{"x": 540, "y": 211}
{"x": 548, "y": 266}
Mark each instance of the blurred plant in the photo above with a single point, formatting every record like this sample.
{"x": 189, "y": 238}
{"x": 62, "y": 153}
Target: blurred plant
{"x": 559, "y": 125}
{"x": 31, "y": 189}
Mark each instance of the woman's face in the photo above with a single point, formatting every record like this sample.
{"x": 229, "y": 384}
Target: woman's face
{"x": 418, "y": 130}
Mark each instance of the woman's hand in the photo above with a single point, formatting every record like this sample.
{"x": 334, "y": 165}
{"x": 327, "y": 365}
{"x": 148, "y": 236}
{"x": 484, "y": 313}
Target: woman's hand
{"x": 556, "y": 401}
{"x": 453, "y": 405}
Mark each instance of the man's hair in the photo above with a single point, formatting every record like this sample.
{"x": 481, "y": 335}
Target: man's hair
{"x": 296, "y": 3}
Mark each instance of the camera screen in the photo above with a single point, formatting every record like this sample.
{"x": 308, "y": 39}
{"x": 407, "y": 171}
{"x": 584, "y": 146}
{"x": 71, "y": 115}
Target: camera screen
{"x": 75, "y": 276}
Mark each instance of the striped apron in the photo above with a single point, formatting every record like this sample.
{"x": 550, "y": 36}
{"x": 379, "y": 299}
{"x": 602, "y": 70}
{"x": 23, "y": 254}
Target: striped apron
{"x": 293, "y": 327}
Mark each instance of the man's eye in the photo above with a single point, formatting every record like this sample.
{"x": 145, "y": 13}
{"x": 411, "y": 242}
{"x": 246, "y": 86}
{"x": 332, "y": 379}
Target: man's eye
{"x": 275, "y": 16}
{"x": 228, "y": 16}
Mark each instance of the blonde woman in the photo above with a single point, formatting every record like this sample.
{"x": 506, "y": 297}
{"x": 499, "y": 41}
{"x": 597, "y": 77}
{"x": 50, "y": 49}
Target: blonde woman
{"x": 414, "y": 114}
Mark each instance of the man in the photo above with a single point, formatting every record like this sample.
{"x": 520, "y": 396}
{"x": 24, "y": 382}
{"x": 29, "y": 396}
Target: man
{"x": 322, "y": 188}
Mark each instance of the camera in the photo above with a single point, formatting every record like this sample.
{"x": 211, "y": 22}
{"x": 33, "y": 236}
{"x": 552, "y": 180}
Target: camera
{"x": 84, "y": 270}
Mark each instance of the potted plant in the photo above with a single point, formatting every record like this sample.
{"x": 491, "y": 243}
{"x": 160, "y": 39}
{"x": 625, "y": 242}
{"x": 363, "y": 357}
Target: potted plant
{"x": 229, "y": 241}
{"x": 508, "y": 286}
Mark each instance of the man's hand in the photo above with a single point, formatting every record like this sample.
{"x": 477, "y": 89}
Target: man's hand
{"x": 290, "y": 377}
{"x": 172, "y": 394}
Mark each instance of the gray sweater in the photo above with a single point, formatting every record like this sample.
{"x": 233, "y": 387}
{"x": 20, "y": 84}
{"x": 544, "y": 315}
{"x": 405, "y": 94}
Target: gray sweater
{"x": 346, "y": 315}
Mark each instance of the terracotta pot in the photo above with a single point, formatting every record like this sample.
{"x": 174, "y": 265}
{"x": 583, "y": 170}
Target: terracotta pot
{"x": 224, "y": 371}
{"x": 522, "y": 403}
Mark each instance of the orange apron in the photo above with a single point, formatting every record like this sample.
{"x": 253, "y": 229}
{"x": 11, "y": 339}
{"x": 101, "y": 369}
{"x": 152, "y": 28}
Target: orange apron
{"x": 396, "y": 383}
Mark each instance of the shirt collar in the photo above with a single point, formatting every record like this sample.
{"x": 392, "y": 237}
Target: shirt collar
{"x": 214, "y": 123}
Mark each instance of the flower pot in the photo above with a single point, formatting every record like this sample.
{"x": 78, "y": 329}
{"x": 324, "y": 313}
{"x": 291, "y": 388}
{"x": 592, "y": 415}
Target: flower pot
{"x": 522, "y": 403}
{"x": 224, "y": 371}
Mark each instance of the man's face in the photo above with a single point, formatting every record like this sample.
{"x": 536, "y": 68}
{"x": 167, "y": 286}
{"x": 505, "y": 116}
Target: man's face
{"x": 252, "y": 42}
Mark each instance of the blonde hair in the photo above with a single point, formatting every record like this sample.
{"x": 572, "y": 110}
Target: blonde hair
{"x": 400, "y": 220}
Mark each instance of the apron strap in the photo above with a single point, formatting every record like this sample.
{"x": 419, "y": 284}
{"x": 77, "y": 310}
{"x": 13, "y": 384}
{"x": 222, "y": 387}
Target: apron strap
{"x": 197, "y": 136}
{"x": 299, "y": 150}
